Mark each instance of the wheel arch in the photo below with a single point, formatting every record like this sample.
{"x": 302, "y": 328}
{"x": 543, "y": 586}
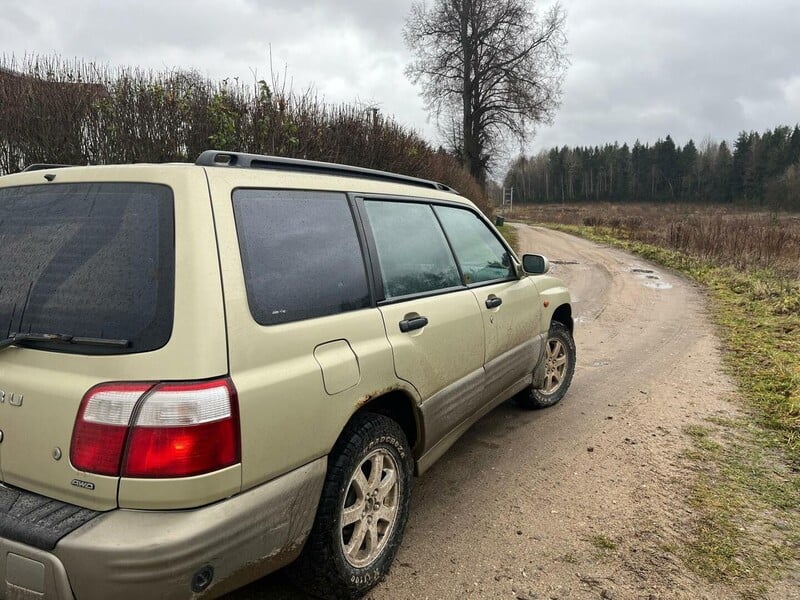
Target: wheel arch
{"x": 563, "y": 314}
{"x": 401, "y": 408}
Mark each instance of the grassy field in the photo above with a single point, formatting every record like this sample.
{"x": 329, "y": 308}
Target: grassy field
{"x": 750, "y": 264}
{"x": 744, "y": 239}
{"x": 746, "y": 490}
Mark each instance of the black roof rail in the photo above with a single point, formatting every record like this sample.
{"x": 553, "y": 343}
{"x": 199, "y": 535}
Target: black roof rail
{"x": 220, "y": 158}
{"x": 43, "y": 167}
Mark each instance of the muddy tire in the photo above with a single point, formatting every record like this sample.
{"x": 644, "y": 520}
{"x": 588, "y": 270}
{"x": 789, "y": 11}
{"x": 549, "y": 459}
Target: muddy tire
{"x": 559, "y": 357}
{"x": 362, "y": 511}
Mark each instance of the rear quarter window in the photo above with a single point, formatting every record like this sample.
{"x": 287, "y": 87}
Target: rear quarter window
{"x": 300, "y": 254}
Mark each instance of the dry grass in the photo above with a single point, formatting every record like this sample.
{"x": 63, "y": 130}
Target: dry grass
{"x": 747, "y": 488}
{"x": 750, "y": 264}
{"x": 723, "y": 235}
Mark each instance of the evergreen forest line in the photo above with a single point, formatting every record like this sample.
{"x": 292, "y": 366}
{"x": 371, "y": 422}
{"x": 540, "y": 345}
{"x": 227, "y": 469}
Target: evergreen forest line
{"x": 760, "y": 168}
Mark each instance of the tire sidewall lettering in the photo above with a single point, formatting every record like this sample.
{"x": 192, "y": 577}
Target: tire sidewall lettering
{"x": 389, "y": 441}
{"x": 365, "y": 578}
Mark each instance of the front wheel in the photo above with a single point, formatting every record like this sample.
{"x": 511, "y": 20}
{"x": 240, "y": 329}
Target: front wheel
{"x": 559, "y": 357}
{"x": 362, "y": 511}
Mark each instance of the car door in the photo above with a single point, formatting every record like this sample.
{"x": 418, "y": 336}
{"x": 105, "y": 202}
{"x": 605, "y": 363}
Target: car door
{"x": 509, "y": 304}
{"x": 306, "y": 342}
{"x": 432, "y": 319}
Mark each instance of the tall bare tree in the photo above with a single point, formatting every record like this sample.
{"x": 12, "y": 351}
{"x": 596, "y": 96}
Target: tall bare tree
{"x": 488, "y": 68}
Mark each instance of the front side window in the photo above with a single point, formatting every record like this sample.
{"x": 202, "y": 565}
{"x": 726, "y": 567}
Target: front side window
{"x": 300, "y": 253}
{"x": 480, "y": 254}
{"x": 412, "y": 250}
{"x": 88, "y": 260}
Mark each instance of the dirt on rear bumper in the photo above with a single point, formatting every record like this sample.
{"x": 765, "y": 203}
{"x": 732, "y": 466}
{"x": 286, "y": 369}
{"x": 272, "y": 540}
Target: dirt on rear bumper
{"x": 138, "y": 554}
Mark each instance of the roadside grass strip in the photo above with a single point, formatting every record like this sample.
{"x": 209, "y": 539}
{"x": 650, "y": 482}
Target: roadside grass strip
{"x": 510, "y": 234}
{"x": 746, "y": 494}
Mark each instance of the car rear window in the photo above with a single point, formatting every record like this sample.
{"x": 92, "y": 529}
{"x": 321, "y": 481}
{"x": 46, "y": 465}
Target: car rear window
{"x": 93, "y": 260}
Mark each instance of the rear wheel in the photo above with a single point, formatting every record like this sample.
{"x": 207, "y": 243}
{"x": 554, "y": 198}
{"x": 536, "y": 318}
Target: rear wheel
{"x": 362, "y": 511}
{"x": 559, "y": 357}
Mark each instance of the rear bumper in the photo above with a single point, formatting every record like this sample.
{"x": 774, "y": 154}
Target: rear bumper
{"x": 138, "y": 554}
{"x": 27, "y": 573}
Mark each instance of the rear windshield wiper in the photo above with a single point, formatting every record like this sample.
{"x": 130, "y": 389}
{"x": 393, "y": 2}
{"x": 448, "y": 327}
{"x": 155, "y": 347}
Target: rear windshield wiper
{"x": 60, "y": 338}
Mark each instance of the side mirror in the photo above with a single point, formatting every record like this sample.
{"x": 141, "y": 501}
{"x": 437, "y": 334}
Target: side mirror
{"x": 535, "y": 264}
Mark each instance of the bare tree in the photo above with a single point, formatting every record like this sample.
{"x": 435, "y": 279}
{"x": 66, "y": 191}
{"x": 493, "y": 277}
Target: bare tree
{"x": 496, "y": 64}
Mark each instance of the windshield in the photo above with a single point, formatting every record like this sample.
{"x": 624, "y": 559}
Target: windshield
{"x": 89, "y": 260}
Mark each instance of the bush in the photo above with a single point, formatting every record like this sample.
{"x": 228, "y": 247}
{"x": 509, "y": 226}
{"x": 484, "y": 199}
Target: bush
{"x": 56, "y": 111}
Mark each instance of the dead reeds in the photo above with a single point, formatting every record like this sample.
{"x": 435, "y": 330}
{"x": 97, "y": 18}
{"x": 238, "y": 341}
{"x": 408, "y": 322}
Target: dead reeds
{"x": 730, "y": 236}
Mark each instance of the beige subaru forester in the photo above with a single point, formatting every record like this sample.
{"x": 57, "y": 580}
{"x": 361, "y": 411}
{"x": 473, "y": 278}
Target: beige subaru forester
{"x": 210, "y": 371}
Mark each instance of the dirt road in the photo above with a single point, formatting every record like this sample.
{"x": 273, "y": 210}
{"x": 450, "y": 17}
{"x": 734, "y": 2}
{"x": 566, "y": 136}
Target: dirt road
{"x": 585, "y": 499}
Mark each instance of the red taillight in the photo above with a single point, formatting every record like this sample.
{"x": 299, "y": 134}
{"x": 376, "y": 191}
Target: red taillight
{"x": 183, "y": 430}
{"x": 179, "y": 430}
{"x": 98, "y": 438}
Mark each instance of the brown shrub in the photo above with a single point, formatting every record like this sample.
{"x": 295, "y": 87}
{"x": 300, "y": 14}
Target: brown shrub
{"x": 78, "y": 113}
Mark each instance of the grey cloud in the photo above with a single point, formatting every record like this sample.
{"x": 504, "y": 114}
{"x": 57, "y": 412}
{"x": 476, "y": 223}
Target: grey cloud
{"x": 689, "y": 69}
{"x": 640, "y": 69}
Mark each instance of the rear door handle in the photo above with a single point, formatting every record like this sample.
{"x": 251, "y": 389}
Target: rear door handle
{"x": 493, "y": 302}
{"x": 407, "y": 325}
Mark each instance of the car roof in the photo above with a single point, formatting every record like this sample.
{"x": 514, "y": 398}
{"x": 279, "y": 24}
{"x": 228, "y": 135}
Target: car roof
{"x": 252, "y": 170}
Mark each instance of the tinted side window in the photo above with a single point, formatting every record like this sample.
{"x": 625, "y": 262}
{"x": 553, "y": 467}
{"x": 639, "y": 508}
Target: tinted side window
{"x": 300, "y": 254}
{"x": 412, "y": 250}
{"x": 481, "y": 255}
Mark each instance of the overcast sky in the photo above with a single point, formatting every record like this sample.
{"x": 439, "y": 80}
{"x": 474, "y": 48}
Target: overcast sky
{"x": 640, "y": 68}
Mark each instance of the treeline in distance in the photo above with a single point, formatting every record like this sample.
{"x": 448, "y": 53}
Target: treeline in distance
{"x": 761, "y": 168}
